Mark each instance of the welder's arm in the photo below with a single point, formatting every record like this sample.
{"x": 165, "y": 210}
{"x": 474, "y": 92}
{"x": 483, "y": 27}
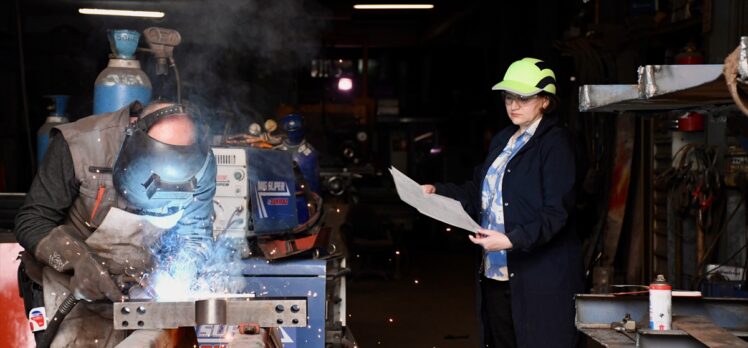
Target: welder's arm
{"x": 51, "y": 194}
{"x": 63, "y": 250}
{"x": 38, "y": 229}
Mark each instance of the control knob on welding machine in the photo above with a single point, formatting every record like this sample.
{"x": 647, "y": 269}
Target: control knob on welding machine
{"x": 304, "y": 154}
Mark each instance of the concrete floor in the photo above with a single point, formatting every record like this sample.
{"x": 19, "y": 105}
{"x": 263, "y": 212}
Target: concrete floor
{"x": 431, "y": 303}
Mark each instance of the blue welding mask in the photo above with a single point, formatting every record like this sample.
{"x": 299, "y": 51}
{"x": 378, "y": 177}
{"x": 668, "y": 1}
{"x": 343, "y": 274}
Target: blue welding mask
{"x": 151, "y": 174}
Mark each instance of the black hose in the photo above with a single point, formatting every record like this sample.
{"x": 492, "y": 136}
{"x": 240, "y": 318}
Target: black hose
{"x": 173, "y": 65}
{"x": 54, "y": 324}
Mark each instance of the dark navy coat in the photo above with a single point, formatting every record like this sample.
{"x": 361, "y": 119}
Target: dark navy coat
{"x": 545, "y": 262}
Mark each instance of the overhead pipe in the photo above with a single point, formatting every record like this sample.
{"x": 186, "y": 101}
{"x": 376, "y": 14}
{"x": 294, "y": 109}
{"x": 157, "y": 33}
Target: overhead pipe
{"x": 24, "y": 94}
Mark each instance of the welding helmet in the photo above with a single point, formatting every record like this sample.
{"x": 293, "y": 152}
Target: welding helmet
{"x": 528, "y": 76}
{"x": 293, "y": 124}
{"x": 151, "y": 174}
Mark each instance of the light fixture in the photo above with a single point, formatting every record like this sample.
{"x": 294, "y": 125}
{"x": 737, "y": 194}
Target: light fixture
{"x": 126, "y": 13}
{"x": 393, "y": 6}
{"x": 345, "y": 84}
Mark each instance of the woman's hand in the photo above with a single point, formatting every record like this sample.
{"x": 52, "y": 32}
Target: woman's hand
{"x": 491, "y": 240}
{"x": 428, "y": 189}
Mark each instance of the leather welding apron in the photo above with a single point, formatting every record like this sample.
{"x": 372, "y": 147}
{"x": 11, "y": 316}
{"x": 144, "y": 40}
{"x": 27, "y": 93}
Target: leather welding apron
{"x": 123, "y": 239}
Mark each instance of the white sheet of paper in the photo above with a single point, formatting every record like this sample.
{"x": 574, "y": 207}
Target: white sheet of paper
{"x": 436, "y": 206}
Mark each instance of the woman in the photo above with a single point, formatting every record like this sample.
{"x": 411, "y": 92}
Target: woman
{"x": 523, "y": 195}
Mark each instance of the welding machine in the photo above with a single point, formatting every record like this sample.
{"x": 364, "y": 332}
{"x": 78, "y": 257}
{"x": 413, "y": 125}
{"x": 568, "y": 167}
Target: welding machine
{"x": 255, "y": 198}
{"x": 254, "y": 192}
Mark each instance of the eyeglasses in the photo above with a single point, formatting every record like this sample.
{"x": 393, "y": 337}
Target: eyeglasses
{"x": 510, "y": 98}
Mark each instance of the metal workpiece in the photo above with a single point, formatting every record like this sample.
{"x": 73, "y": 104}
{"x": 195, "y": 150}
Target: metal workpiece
{"x": 210, "y": 311}
{"x": 266, "y": 312}
{"x": 597, "y": 97}
{"x": 667, "y": 87}
{"x": 660, "y": 87}
{"x": 657, "y": 80}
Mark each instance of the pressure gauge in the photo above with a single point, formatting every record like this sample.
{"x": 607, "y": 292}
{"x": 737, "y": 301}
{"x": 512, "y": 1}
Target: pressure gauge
{"x": 362, "y": 136}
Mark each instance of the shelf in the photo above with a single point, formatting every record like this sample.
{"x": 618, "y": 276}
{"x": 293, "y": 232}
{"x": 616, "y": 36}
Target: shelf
{"x": 665, "y": 87}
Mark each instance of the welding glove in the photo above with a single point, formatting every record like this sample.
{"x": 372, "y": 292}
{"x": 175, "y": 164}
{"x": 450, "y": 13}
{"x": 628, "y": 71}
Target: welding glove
{"x": 63, "y": 250}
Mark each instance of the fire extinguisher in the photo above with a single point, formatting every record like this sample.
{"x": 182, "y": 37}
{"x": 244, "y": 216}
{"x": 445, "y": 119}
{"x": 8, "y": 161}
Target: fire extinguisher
{"x": 690, "y": 54}
{"x": 660, "y": 304}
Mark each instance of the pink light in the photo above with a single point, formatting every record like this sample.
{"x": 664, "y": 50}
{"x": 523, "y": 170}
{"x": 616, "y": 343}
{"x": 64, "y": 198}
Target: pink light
{"x": 345, "y": 84}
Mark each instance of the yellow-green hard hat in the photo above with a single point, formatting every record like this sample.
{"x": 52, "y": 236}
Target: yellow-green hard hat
{"x": 528, "y": 76}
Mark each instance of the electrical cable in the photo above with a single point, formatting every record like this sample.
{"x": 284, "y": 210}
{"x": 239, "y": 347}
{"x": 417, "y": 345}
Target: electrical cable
{"x": 729, "y": 258}
{"x": 54, "y": 324}
{"x": 695, "y": 187}
{"x": 697, "y": 281}
{"x": 231, "y": 220}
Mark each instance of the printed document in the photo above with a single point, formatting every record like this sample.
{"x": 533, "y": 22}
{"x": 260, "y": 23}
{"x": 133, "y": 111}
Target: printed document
{"x": 441, "y": 208}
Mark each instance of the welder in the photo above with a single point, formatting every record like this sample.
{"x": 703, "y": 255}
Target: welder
{"x": 139, "y": 162}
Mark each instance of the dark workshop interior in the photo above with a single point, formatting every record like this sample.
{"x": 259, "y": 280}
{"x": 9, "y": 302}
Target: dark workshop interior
{"x": 654, "y": 93}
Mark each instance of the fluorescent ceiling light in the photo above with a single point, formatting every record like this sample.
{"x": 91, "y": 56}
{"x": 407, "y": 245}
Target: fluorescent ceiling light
{"x": 393, "y": 6}
{"x": 127, "y": 13}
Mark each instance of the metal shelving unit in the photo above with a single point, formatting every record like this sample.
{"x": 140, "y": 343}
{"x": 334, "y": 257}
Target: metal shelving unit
{"x": 660, "y": 89}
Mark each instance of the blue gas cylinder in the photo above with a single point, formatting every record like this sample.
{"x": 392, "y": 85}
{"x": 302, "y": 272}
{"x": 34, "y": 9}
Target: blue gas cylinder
{"x": 55, "y": 117}
{"x": 305, "y": 155}
{"x": 122, "y": 82}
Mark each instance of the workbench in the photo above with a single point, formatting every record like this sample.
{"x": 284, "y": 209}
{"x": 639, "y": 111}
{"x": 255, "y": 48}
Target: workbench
{"x": 595, "y": 313}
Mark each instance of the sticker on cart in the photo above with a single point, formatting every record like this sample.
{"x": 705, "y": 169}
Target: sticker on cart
{"x": 38, "y": 319}
{"x": 215, "y": 335}
{"x": 288, "y": 337}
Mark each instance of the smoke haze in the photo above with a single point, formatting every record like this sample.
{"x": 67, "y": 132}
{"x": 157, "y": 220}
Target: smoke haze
{"x": 239, "y": 60}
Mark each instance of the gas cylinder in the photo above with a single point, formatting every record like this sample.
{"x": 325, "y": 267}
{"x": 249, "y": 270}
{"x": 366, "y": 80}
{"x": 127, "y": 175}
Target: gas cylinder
{"x": 660, "y": 304}
{"x": 122, "y": 82}
{"x": 305, "y": 155}
{"x": 302, "y": 151}
{"x": 56, "y": 116}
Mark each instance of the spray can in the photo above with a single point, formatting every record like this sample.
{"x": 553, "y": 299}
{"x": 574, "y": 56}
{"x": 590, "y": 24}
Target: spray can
{"x": 122, "y": 82}
{"x": 56, "y": 117}
{"x": 660, "y": 304}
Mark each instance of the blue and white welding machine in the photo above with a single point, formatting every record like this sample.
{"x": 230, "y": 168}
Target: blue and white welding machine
{"x": 255, "y": 198}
